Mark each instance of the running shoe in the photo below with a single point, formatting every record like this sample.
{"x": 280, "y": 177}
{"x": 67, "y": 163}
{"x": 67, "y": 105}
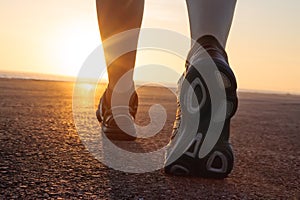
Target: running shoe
{"x": 117, "y": 121}
{"x": 199, "y": 144}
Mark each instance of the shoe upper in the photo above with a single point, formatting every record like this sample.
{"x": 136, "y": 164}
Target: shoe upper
{"x": 210, "y": 45}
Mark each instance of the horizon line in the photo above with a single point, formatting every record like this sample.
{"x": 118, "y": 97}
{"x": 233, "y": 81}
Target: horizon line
{"x": 36, "y": 76}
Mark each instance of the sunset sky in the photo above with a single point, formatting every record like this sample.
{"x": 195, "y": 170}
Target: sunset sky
{"x": 55, "y": 37}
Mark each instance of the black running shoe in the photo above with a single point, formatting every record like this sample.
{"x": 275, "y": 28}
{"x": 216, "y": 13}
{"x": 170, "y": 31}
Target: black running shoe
{"x": 118, "y": 121}
{"x": 185, "y": 158}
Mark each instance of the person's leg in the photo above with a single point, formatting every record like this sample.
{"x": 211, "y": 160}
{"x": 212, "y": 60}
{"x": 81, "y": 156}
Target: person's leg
{"x": 115, "y": 17}
{"x": 211, "y": 17}
{"x": 209, "y": 152}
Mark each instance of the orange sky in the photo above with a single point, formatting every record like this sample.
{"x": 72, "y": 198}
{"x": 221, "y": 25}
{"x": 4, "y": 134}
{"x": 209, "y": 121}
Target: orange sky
{"x": 56, "y": 36}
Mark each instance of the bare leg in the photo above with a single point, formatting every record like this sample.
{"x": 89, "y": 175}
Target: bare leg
{"x": 211, "y": 17}
{"x": 115, "y": 17}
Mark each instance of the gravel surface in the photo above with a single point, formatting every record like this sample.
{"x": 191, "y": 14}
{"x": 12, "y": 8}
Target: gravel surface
{"x": 41, "y": 155}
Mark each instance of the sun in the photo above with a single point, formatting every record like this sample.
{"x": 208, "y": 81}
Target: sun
{"x": 76, "y": 42}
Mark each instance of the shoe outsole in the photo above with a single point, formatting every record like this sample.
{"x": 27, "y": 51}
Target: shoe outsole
{"x": 222, "y": 153}
{"x": 188, "y": 166}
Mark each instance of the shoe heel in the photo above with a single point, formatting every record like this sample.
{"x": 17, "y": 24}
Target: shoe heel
{"x": 218, "y": 164}
{"x": 181, "y": 167}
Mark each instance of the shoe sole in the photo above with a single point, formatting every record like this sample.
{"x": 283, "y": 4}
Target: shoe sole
{"x": 219, "y": 162}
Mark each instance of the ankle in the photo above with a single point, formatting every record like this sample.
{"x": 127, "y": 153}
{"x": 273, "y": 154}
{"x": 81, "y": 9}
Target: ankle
{"x": 213, "y": 46}
{"x": 119, "y": 96}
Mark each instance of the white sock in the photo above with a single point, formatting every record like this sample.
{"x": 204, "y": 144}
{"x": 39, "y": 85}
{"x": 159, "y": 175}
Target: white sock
{"x": 211, "y": 17}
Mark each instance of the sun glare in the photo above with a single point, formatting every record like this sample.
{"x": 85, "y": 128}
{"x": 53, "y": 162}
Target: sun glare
{"x": 87, "y": 87}
{"x": 77, "y": 42}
